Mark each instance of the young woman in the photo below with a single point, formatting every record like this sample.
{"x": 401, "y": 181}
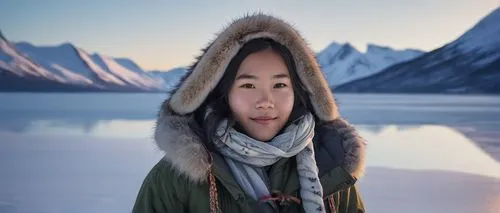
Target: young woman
{"x": 253, "y": 127}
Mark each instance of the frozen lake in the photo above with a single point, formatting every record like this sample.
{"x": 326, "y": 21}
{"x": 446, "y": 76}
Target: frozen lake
{"x": 64, "y": 153}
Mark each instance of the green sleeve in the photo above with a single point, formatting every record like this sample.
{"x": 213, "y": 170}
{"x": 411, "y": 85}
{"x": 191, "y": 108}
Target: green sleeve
{"x": 347, "y": 201}
{"x": 158, "y": 193}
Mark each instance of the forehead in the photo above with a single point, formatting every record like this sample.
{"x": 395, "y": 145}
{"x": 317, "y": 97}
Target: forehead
{"x": 263, "y": 63}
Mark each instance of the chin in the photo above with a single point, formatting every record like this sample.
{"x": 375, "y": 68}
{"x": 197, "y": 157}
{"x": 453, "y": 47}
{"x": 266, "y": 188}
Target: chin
{"x": 263, "y": 138}
{"x": 261, "y": 134}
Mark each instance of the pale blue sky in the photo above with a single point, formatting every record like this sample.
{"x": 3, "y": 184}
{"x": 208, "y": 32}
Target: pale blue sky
{"x": 165, "y": 34}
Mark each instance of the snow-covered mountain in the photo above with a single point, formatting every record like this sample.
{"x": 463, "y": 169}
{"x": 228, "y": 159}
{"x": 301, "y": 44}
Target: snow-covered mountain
{"x": 129, "y": 64}
{"x": 18, "y": 64}
{"x": 171, "y": 77}
{"x": 19, "y": 73}
{"x": 135, "y": 77}
{"x": 95, "y": 69}
{"x": 27, "y": 67}
{"x": 63, "y": 60}
{"x": 342, "y": 63}
{"x": 469, "y": 64}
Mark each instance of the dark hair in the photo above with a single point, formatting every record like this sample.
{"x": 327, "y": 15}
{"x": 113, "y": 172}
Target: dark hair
{"x": 218, "y": 99}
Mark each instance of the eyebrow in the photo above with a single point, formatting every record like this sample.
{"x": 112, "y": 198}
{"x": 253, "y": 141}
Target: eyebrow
{"x": 248, "y": 76}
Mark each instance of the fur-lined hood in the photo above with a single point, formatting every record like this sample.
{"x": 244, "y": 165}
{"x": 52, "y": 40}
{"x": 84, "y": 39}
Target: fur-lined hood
{"x": 185, "y": 151}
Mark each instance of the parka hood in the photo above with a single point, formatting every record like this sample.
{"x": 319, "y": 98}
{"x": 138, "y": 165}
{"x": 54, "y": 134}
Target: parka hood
{"x": 209, "y": 69}
{"x": 185, "y": 151}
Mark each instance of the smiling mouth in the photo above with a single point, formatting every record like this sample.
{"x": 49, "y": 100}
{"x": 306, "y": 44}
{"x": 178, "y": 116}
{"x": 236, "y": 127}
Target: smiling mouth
{"x": 263, "y": 120}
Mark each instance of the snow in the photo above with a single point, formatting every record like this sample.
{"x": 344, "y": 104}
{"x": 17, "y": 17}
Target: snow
{"x": 5, "y": 58}
{"x": 70, "y": 76}
{"x": 50, "y": 59}
{"x": 105, "y": 76}
{"x": 129, "y": 64}
{"x": 134, "y": 78}
{"x": 74, "y": 65}
{"x": 90, "y": 152}
{"x": 171, "y": 77}
{"x": 65, "y": 55}
{"x": 388, "y": 56}
{"x": 446, "y": 68}
{"x": 339, "y": 64}
{"x": 20, "y": 64}
{"x": 342, "y": 63}
{"x": 482, "y": 37}
{"x": 66, "y": 58}
{"x": 326, "y": 55}
{"x": 451, "y": 68}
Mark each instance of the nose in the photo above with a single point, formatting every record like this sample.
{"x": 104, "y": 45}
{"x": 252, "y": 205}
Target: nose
{"x": 265, "y": 100}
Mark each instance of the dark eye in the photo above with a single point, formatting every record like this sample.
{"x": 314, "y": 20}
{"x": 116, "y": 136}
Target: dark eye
{"x": 247, "y": 86}
{"x": 280, "y": 85}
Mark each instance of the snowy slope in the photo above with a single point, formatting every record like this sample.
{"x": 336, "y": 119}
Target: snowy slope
{"x": 69, "y": 58}
{"x": 61, "y": 60}
{"x": 129, "y": 64}
{"x": 469, "y": 64}
{"x": 137, "y": 78}
{"x": 342, "y": 63}
{"x": 100, "y": 73}
{"x": 65, "y": 55}
{"x": 26, "y": 67}
{"x": 20, "y": 72}
{"x": 75, "y": 66}
{"x": 385, "y": 56}
{"x": 483, "y": 37}
{"x": 171, "y": 77}
{"x": 20, "y": 64}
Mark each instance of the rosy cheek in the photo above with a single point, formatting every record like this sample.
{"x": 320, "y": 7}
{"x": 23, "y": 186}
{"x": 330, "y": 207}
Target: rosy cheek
{"x": 239, "y": 103}
{"x": 285, "y": 98}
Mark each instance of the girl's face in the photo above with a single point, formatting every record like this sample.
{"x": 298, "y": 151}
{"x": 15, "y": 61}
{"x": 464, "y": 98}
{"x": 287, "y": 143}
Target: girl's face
{"x": 261, "y": 97}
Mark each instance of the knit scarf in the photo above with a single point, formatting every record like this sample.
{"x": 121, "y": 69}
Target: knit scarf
{"x": 247, "y": 157}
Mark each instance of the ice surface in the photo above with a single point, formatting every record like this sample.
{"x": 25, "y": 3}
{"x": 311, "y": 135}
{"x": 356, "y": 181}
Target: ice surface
{"x": 90, "y": 152}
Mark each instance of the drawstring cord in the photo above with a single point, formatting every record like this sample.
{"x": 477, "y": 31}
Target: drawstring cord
{"x": 331, "y": 203}
{"x": 281, "y": 198}
{"x": 214, "y": 196}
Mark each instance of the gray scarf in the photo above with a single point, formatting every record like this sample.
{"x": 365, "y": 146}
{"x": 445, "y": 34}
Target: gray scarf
{"x": 247, "y": 157}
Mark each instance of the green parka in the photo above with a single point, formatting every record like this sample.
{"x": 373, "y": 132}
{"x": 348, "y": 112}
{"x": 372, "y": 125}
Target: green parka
{"x": 192, "y": 179}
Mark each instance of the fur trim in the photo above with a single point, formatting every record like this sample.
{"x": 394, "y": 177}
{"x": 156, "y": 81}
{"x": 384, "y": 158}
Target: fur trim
{"x": 186, "y": 153}
{"x": 183, "y": 149}
{"x": 210, "y": 67}
{"x": 354, "y": 147}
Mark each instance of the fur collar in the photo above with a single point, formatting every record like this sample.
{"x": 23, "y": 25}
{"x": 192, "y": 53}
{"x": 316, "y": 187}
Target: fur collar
{"x": 187, "y": 154}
